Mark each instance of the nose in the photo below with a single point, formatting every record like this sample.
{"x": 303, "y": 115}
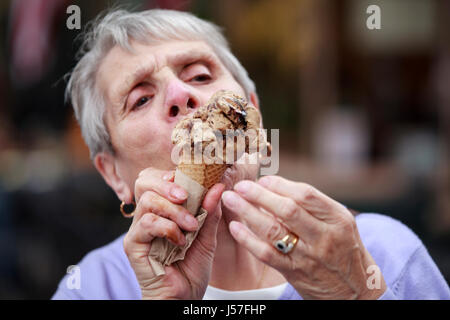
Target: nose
{"x": 179, "y": 100}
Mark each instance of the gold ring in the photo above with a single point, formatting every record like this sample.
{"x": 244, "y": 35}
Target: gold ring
{"x": 286, "y": 244}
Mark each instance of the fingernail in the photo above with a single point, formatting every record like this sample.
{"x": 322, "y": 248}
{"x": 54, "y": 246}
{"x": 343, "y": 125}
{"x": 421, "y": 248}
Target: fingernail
{"x": 264, "y": 181}
{"x": 234, "y": 228}
{"x": 178, "y": 193}
{"x": 168, "y": 176}
{"x": 229, "y": 198}
{"x": 243, "y": 186}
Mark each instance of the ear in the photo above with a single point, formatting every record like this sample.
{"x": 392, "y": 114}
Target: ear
{"x": 254, "y": 100}
{"x": 105, "y": 163}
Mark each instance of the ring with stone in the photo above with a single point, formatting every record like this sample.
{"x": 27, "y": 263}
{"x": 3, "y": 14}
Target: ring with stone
{"x": 286, "y": 244}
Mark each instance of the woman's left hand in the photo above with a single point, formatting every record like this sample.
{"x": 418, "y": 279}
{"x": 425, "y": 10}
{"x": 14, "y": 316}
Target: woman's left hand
{"x": 329, "y": 260}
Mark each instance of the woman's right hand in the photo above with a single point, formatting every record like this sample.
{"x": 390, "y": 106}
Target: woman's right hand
{"x": 159, "y": 213}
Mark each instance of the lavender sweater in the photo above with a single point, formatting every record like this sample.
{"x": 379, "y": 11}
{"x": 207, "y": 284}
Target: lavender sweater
{"x": 408, "y": 269}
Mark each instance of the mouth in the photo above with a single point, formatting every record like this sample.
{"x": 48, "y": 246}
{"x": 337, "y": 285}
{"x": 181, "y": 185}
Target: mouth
{"x": 228, "y": 178}
{"x": 245, "y": 170}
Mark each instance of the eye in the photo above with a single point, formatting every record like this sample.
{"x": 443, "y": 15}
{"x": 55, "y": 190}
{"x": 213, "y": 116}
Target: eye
{"x": 201, "y": 78}
{"x": 141, "y": 101}
{"x": 196, "y": 73}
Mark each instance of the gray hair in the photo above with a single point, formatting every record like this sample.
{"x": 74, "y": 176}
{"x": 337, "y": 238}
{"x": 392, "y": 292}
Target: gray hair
{"x": 149, "y": 27}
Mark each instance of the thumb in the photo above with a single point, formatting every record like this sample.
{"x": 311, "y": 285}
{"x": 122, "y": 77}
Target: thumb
{"x": 207, "y": 234}
{"x": 213, "y": 197}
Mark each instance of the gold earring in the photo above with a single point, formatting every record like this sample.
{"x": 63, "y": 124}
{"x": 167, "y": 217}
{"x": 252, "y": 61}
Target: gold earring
{"x": 126, "y": 211}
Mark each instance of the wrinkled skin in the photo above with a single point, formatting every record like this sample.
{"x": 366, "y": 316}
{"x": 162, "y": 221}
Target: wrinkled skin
{"x": 147, "y": 92}
{"x": 329, "y": 260}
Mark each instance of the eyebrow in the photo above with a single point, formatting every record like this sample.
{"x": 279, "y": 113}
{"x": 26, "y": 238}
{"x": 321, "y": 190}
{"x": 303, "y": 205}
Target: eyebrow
{"x": 146, "y": 70}
{"x": 126, "y": 86}
{"x": 192, "y": 56}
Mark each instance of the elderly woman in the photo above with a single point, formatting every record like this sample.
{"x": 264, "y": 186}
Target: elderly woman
{"x": 140, "y": 73}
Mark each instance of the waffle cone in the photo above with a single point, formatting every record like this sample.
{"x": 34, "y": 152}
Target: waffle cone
{"x": 205, "y": 174}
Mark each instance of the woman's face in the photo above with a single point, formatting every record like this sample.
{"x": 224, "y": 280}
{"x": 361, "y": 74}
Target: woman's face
{"x": 148, "y": 91}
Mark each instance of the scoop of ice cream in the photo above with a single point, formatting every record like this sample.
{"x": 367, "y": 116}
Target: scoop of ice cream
{"x": 225, "y": 112}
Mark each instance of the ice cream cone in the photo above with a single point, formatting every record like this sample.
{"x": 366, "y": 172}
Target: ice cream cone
{"x": 225, "y": 111}
{"x": 205, "y": 174}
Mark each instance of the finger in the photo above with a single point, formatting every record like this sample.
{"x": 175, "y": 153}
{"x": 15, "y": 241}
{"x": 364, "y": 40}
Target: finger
{"x": 137, "y": 254}
{"x": 264, "y": 226}
{"x": 312, "y": 200}
{"x": 259, "y": 248}
{"x": 211, "y": 203}
{"x": 137, "y": 241}
{"x": 212, "y": 197}
{"x": 152, "y": 226}
{"x": 160, "y": 182}
{"x": 284, "y": 208}
{"x": 169, "y": 176}
{"x": 155, "y": 203}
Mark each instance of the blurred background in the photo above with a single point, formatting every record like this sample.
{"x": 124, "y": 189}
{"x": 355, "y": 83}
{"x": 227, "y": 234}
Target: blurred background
{"x": 363, "y": 116}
